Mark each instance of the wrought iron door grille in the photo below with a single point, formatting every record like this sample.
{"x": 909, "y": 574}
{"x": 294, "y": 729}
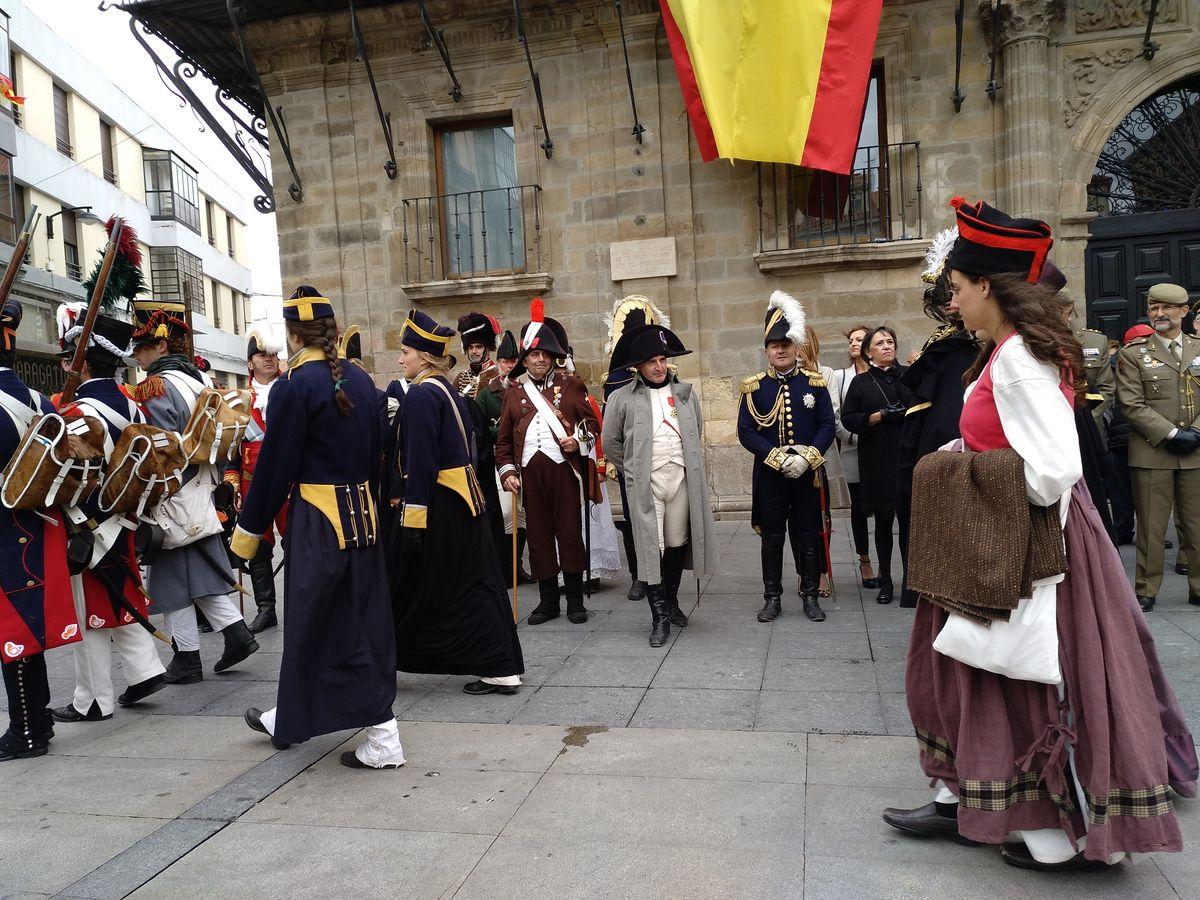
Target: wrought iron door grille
{"x": 1151, "y": 161}
{"x": 880, "y": 200}
{"x": 469, "y": 234}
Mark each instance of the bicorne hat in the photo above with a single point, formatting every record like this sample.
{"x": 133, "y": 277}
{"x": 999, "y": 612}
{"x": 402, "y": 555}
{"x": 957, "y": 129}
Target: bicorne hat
{"x": 422, "y": 333}
{"x": 306, "y": 304}
{"x": 630, "y": 312}
{"x": 542, "y": 333}
{"x": 991, "y": 242}
{"x": 508, "y": 347}
{"x": 260, "y": 343}
{"x": 349, "y": 344}
{"x": 785, "y": 320}
{"x": 645, "y": 342}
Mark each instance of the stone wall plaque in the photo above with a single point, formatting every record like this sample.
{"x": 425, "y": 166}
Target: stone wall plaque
{"x": 651, "y": 258}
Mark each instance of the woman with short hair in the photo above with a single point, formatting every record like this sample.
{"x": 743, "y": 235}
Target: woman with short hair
{"x": 847, "y": 442}
{"x": 874, "y": 410}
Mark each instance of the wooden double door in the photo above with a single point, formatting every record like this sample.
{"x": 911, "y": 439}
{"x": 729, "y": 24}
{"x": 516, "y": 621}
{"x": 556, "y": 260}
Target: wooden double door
{"x": 1127, "y": 254}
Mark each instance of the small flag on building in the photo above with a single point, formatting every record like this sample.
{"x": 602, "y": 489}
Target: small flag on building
{"x": 8, "y": 92}
{"x": 774, "y": 81}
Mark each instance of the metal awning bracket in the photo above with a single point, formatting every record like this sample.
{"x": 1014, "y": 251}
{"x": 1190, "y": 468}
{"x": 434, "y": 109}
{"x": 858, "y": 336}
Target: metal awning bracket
{"x": 385, "y": 119}
{"x": 993, "y": 86}
{"x": 547, "y": 145}
{"x": 437, "y": 38}
{"x": 958, "y": 96}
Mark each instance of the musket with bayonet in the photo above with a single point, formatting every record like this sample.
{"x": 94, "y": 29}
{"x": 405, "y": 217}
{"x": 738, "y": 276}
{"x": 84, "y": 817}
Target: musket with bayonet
{"x": 18, "y": 255}
{"x": 89, "y": 322}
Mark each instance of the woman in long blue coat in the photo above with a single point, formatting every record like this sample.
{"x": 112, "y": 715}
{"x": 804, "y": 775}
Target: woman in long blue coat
{"x": 322, "y": 455}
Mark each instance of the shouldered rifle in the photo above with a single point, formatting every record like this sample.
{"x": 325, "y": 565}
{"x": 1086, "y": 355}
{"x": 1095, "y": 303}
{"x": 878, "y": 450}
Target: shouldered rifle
{"x": 18, "y": 255}
{"x": 89, "y": 322}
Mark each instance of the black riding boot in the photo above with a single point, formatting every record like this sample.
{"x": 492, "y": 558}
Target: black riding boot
{"x": 30, "y": 725}
{"x": 809, "y": 547}
{"x": 262, "y": 581}
{"x": 672, "y": 573}
{"x": 573, "y": 585}
{"x": 637, "y": 590}
{"x": 772, "y": 575}
{"x": 184, "y": 668}
{"x": 660, "y": 619}
{"x": 547, "y": 607}
{"x": 239, "y": 643}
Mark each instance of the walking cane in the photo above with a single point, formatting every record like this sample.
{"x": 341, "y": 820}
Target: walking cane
{"x": 516, "y": 560}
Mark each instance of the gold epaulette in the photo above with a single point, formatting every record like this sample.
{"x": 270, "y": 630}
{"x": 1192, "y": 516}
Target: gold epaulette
{"x": 815, "y": 379}
{"x": 750, "y": 384}
{"x": 149, "y": 388}
{"x": 942, "y": 331}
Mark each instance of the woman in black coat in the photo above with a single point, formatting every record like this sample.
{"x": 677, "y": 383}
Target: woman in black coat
{"x": 874, "y": 409}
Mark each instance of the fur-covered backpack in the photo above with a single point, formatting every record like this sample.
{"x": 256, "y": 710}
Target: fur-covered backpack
{"x": 58, "y": 461}
{"x": 217, "y": 423}
{"x": 146, "y": 466}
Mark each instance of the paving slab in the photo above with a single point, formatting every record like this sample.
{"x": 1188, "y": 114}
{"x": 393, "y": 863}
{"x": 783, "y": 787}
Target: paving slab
{"x": 183, "y": 737}
{"x": 549, "y": 868}
{"x": 289, "y": 861}
{"x": 481, "y": 747}
{"x": 824, "y": 711}
{"x": 686, "y": 668}
{"x": 662, "y": 812}
{"x": 448, "y": 703}
{"x": 686, "y": 753}
{"x": 865, "y": 761}
{"x": 847, "y": 675}
{"x": 696, "y": 708}
{"x": 44, "y": 852}
{"x": 563, "y": 705}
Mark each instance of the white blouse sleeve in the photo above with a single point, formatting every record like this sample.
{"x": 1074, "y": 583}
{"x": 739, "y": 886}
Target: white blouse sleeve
{"x": 1038, "y": 422}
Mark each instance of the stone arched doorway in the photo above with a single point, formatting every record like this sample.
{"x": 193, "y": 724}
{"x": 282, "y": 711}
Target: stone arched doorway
{"x": 1145, "y": 191}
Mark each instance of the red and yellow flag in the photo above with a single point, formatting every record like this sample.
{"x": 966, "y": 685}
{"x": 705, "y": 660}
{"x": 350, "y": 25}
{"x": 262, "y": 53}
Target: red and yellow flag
{"x": 774, "y": 80}
{"x": 7, "y": 92}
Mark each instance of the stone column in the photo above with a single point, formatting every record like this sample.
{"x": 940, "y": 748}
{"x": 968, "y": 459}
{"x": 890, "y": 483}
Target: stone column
{"x": 1030, "y": 169}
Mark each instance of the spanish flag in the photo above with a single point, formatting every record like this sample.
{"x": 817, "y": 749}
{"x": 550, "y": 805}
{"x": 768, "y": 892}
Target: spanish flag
{"x": 774, "y": 80}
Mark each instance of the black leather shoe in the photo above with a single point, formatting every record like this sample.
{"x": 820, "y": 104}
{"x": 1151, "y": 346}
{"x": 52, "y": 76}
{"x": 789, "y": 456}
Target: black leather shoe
{"x": 886, "y": 591}
{"x": 69, "y": 713}
{"x": 239, "y": 643}
{"x": 351, "y": 761}
{"x": 478, "y": 688}
{"x": 577, "y": 616}
{"x": 926, "y": 821}
{"x": 1018, "y": 855}
{"x": 539, "y": 615}
{"x": 1146, "y": 603}
{"x": 548, "y": 605}
{"x": 637, "y": 591}
{"x": 140, "y": 691}
{"x": 771, "y": 609}
{"x": 253, "y": 717}
{"x": 660, "y": 619}
{"x": 265, "y": 619}
{"x": 1181, "y": 569}
{"x": 12, "y": 747}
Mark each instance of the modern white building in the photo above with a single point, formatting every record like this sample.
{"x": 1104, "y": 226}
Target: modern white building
{"x": 82, "y": 150}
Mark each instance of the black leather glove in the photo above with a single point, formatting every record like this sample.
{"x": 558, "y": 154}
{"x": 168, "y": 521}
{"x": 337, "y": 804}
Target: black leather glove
{"x": 893, "y": 414}
{"x": 1185, "y": 441}
{"x": 413, "y": 540}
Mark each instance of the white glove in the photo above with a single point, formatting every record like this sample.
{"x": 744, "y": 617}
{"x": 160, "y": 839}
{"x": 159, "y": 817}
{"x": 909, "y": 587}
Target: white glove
{"x": 794, "y": 466}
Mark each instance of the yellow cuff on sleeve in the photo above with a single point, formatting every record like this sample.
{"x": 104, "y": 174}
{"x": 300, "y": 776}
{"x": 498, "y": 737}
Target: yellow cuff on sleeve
{"x": 775, "y": 458}
{"x": 415, "y": 516}
{"x": 243, "y": 543}
{"x": 813, "y": 455}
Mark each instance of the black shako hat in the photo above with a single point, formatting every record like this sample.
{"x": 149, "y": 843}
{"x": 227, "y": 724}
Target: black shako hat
{"x": 478, "y": 328}
{"x": 541, "y": 333}
{"x": 991, "y": 242}
{"x": 644, "y": 342}
{"x": 508, "y": 347}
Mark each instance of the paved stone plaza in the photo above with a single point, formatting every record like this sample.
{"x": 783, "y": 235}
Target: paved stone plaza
{"x": 739, "y": 760}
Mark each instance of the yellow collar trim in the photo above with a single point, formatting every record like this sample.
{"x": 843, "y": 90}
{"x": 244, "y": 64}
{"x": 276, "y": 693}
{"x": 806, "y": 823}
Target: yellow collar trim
{"x": 304, "y": 355}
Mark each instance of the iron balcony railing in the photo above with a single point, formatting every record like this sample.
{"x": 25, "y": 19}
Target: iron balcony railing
{"x": 74, "y": 272}
{"x": 497, "y": 231}
{"x": 64, "y": 147}
{"x": 880, "y": 200}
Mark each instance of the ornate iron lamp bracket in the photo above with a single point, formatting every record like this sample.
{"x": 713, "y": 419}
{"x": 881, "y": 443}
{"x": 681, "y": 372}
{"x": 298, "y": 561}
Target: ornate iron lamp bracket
{"x": 547, "y": 145}
{"x": 295, "y": 189}
{"x": 438, "y": 40}
{"x": 177, "y": 76}
{"x": 385, "y": 119}
{"x": 1149, "y": 47}
{"x": 638, "y": 128}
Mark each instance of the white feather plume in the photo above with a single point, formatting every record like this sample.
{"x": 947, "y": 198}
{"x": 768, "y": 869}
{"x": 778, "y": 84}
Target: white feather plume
{"x": 793, "y": 311}
{"x": 267, "y": 340}
{"x": 614, "y": 322}
{"x": 935, "y": 256}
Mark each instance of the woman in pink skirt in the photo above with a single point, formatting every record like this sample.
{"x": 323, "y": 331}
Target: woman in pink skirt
{"x": 1074, "y": 770}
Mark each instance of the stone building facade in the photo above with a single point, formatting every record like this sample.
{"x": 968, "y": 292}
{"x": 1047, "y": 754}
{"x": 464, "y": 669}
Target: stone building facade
{"x": 1066, "y": 75}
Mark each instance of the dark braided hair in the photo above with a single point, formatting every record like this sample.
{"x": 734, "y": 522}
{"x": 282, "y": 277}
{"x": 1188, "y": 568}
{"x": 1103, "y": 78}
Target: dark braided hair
{"x": 323, "y": 333}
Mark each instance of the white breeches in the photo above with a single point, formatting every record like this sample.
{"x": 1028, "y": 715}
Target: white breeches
{"x": 668, "y": 485}
{"x": 220, "y": 610}
{"x": 93, "y": 658}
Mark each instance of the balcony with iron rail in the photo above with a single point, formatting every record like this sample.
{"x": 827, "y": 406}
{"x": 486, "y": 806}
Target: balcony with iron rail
{"x": 871, "y": 217}
{"x": 472, "y": 243}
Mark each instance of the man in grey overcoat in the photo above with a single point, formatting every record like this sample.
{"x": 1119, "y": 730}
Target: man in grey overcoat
{"x": 652, "y": 435}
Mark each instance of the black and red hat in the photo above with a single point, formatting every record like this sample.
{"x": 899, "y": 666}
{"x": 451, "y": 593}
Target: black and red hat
{"x": 10, "y": 321}
{"x": 991, "y": 242}
{"x": 478, "y": 328}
